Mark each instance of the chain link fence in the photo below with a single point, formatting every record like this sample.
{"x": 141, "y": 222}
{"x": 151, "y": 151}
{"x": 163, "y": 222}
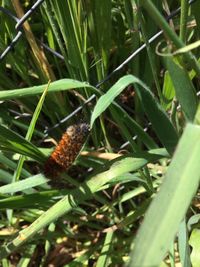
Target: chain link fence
{"x": 20, "y": 33}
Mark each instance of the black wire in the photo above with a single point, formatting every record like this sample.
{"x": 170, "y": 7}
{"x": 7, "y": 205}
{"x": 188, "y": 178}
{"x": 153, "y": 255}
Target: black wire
{"x": 7, "y": 12}
{"x": 18, "y": 25}
{"x": 28, "y": 14}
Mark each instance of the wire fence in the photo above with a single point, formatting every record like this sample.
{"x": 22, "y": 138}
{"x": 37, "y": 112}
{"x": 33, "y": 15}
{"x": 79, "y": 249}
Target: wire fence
{"x": 18, "y": 26}
{"x": 20, "y": 33}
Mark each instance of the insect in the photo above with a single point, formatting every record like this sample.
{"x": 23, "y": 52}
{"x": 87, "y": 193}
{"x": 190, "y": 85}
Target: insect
{"x": 67, "y": 150}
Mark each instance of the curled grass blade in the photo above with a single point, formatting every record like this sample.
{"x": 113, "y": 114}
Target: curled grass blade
{"x": 160, "y": 21}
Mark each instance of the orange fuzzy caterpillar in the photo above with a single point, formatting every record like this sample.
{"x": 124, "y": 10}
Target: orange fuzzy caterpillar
{"x": 67, "y": 150}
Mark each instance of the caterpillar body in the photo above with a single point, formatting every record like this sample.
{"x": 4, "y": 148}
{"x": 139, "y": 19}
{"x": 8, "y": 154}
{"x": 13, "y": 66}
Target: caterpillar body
{"x": 67, "y": 150}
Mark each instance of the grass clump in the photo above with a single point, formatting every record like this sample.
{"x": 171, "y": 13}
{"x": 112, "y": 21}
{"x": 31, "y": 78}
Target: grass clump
{"x": 131, "y": 196}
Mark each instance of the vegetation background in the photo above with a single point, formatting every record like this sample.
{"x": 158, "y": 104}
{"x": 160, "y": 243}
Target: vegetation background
{"x": 131, "y": 197}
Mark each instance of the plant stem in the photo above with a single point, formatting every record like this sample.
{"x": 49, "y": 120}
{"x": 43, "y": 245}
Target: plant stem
{"x": 183, "y": 20}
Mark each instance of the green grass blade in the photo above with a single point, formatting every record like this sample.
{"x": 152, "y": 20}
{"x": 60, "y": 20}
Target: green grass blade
{"x": 160, "y": 20}
{"x": 195, "y": 244}
{"x": 73, "y": 199}
{"x": 134, "y": 126}
{"x": 30, "y": 132}
{"x": 168, "y": 91}
{"x": 82, "y": 260}
{"x": 171, "y": 203}
{"x": 5, "y": 177}
{"x": 104, "y": 256}
{"x": 160, "y": 122}
{"x": 11, "y": 141}
{"x": 183, "y": 245}
{"x": 151, "y": 56}
{"x": 72, "y": 25}
{"x": 36, "y": 114}
{"x": 195, "y": 10}
{"x": 185, "y": 91}
{"x": 63, "y": 84}
{"x": 40, "y": 200}
{"x": 12, "y": 165}
{"x": 22, "y": 185}
{"x": 101, "y": 32}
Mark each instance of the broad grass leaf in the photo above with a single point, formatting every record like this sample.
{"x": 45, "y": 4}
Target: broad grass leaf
{"x": 159, "y": 119}
{"x": 185, "y": 91}
{"x": 60, "y": 85}
{"x": 171, "y": 202}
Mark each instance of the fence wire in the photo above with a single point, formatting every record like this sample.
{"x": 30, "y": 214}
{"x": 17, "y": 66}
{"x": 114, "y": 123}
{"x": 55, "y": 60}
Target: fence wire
{"x": 18, "y": 26}
{"x": 20, "y": 34}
